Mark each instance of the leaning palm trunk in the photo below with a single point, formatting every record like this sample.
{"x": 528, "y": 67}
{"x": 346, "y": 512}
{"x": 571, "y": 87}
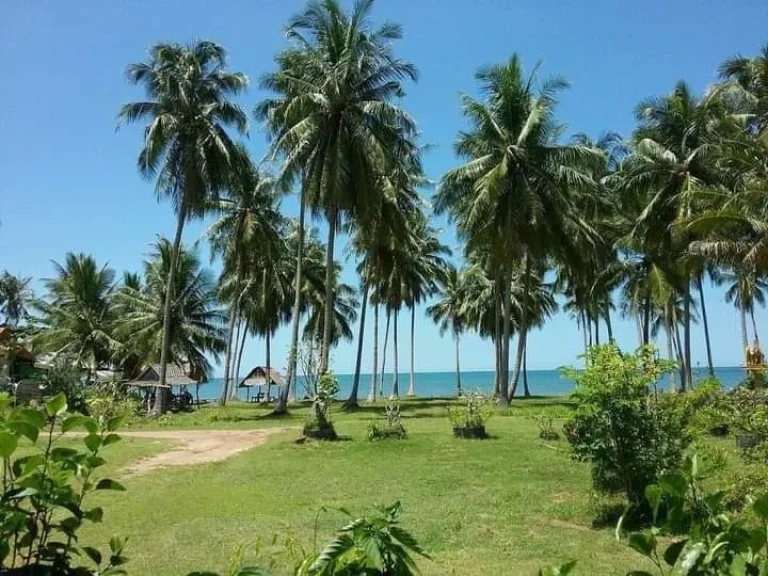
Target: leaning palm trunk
{"x": 384, "y": 355}
{"x": 584, "y": 331}
{"x": 710, "y": 364}
{"x": 608, "y": 324}
{"x": 597, "y": 329}
{"x": 744, "y": 335}
{"x": 458, "y": 366}
{"x": 282, "y": 401}
{"x": 497, "y": 344}
{"x": 505, "y": 336}
{"x": 647, "y": 318}
{"x": 233, "y": 314}
{"x": 329, "y": 296}
{"x": 680, "y": 356}
{"x": 240, "y": 352}
{"x": 269, "y": 368}
{"x": 159, "y": 407}
{"x": 352, "y": 400}
{"x": 754, "y": 325}
{"x": 523, "y": 330}
{"x": 396, "y": 375}
{"x": 412, "y": 383}
{"x": 688, "y": 381}
{"x": 526, "y": 391}
{"x": 372, "y": 391}
{"x": 671, "y": 356}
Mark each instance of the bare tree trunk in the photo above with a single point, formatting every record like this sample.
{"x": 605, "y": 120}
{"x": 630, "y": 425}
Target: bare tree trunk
{"x": 754, "y": 325}
{"x": 525, "y": 372}
{"x": 352, "y": 400}
{"x": 744, "y": 335}
{"x": 228, "y": 359}
{"x": 330, "y": 291}
{"x": 597, "y": 329}
{"x": 584, "y": 331}
{"x": 671, "y": 355}
{"x": 647, "y": 319}
{"x": 282, "y": 401}
{"x": 688, "y": 382}
{"x": 506, "y": 307}
{"x": 159, "y": 407}
{"x": 412, "y": 383}
{"x": 240, "y": 352}
{"x": 710, "y": 364}
{"x": 372, "y": 392}
{"x": 497, "y": 344}
{"x": 396, "y": 375}
{"x": 269, "y": 366}
{"x": 680, "y": 358}
{"x": 588, "y": 328}
{"x": 458, "y": 366}
{"x": 523, "y": 328}
{"x": 639, "y": 322}
{"x": 608, "y": 324}
{"x": 384, "y": 354}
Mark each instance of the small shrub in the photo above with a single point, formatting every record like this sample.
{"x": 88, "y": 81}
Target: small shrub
{"x": 107, "y": 400}
{"x": 547, "y": 428}
{"x": 319, "y": 424}
{"x": 470, "y": 414}
{"x": 42, "y": 506}
{"x": 709, "y": 411}
{"x": 630, "y": 434}
{"x": 391, "y": 428}
{"x": 63, "y": 377}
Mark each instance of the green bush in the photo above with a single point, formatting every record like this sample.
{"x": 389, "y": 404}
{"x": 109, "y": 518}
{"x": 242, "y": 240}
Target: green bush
{"x": 107, "y": 400}
{"x": 628, "y": 432}
{"x": 319, "y": 424}
{"x": 63, "y": 377}
{"x": 42, "y": 506}
{"x": 470, "y": 414}
{"x": 547, "y": 428}
{"x": 392, "y": 427}
{"x": 709, "y": 408}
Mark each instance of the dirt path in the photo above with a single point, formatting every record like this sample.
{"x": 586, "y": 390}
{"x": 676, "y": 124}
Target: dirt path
{"x": 197, "y": 446}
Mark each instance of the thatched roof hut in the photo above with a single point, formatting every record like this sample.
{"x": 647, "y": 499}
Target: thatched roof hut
{"x": 258, "y": 377}
{"x": 175, "y": 375}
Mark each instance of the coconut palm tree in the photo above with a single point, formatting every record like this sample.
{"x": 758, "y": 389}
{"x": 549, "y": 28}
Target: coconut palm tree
{"x": 334, "y": 119}
{"x": 197, "y": 321}
{"x": 747, "y": 84}
{"x": 15, "y": 295}
{"x": 449, "y": 312}
{"x": 248, "y": 236}
{"x": 744, "y": 290}
{"x": 511, "y": 200}
{"x": 186, "y": 148}
{"x": 78, "y": 312}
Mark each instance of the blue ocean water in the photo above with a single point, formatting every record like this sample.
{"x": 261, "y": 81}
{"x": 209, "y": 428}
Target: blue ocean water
{"x": 441, "y": 384}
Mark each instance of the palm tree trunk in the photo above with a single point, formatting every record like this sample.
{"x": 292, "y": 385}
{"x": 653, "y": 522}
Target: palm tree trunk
{"x": 688, "y": 382}
{"x": 608, "y": 324}
{"x": 282, "y": 401}
{"x": 269, "y": 366}
{"x": 458, "y": 365}
{"x": 521, "y": 341}
{"x": 588, "y": 328}
{"x": 597, "y": 329}
{"x": 506, "y": 309}
{"x": 639, "y": 323}
{"x": 671, "y": 355}
{"x": 744, "y": 335}
{"x": 680, "y": 358}
{"x": 754, "y": 325}
{"x": 372, "y": 391}
{"x": 396, "y": 375}
{"x": 647, "y": 319}
{"x": 412, "y": 383}
{"x": 159, "y": 407}
{"x": 240, "y": 352}
{"x": 228, "y": 358}
{"x": 352, "y": 400}
{"x": 329, "y": 291}
{"x": 584, "y": 331}
{"x": 497, "y": 344}
{"x": 527, "y": 392}
{"x": 384, "y": 355}
{"x": 710, "y": 364}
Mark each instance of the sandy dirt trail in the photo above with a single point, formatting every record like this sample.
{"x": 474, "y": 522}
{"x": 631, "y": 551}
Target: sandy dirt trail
{"x": 196, "y": 446}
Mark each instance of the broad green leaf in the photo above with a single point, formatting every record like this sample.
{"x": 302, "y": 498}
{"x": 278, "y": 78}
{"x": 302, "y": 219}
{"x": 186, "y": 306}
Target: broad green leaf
{"x": 567, "y": 568}
{"x": 761, "y": 507}
{"x": 643, "y": 542}
{"x": 92, "y": 442}
{"x": 672, "y": 553}
{"x": 654, "y": 494}
{"x": 79, "y": 421}
{"x": 691, "y": 556}
{"x": 93, "y": 554}
{"x": 34, "y": 417}
{"x": 94, "y": 514}
{"x": 674, "y": 484}
{"x": 5, "y": 549}
{"x": 107, "y": 484}
{"x": 8, "y": 443}
{"x": 56, "y": 405}
{"x": 110, "y": 439}
{"x": 114, "y": 423}
{"x": 24, "y": 428}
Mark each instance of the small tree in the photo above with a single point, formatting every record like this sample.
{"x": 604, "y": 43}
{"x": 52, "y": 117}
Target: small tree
{"x": 319, "y": 424}
{"x": 630, "y": 433}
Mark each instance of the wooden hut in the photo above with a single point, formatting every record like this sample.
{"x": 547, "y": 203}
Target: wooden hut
{"x": 257, "y": 378}
{"x": 149, "y": 379}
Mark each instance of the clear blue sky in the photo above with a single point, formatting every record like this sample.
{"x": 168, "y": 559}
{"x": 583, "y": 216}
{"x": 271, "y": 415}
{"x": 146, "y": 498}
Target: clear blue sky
{"x": 68, "y": 181}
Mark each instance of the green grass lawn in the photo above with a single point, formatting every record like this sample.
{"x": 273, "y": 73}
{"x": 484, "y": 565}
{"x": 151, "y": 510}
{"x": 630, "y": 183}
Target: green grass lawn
{"x": 506, "y": 505}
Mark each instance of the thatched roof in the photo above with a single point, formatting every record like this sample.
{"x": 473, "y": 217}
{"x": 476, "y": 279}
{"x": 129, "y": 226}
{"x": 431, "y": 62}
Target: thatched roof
{"x": 174, "y": 376}
{"x": 258, "y": 377}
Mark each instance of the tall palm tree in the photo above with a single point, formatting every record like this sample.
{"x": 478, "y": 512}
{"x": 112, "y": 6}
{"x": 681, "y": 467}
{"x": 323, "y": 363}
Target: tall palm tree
{"x": 744, "y": 290}
{"x": 15, "y": 295}
{"x": 334, "y": 119}
{"x": 78, "y": 312}
{"x": 511, "y": 199}
{"x": 449, "y": 313}
{"x": 186, "y": 145}
{"x": 248, "y": 236}
{"x": 747, "y": 81}
{"x": 197, "y": 322}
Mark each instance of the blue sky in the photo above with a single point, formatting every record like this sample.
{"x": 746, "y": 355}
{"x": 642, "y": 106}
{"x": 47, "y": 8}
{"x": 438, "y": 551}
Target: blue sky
{"x": 68, "y": 180}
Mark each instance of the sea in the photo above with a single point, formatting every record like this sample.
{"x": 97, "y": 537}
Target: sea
{"x": 443, "y": 384}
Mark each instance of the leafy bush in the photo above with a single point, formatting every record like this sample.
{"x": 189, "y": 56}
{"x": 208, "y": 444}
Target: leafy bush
{"x": 630, "y": 434}
{"x": 547, "y": 428}
{"x": 319, "y": 424}
{"x": 392, "y": 428}
{"x": 107, "y": 400}
{"x": 469, "y": 415}
{"x": 63, "y": 377}
{"x": 749, "y": 418}
{"x": 709, "y": 408}
{"x": 42, "y": 503}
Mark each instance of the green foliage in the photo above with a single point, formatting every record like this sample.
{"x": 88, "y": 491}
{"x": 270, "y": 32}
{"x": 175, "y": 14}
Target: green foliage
{"x": 705, "y": 539}
{"x": 63, "y": 377}
{"x": 630, "y": 434}
{"x": 471, "y": 411}
{"x": 392, "y": 428}
{"x": 108, "y": 400}
{"x": 319, "y": 424}
{"x": 547, "y": 428}
{"x": 42, "y": 506}
{"x": 709, "y": 409}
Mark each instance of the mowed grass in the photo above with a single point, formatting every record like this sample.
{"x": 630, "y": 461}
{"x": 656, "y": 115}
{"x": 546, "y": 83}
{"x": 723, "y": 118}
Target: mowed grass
{"x": 506, "y": 505}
